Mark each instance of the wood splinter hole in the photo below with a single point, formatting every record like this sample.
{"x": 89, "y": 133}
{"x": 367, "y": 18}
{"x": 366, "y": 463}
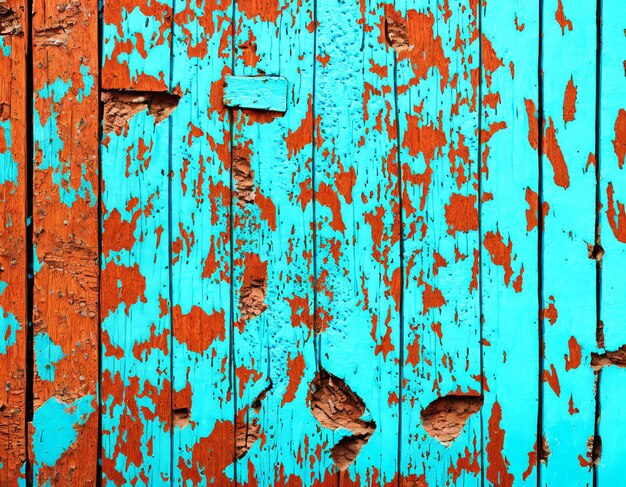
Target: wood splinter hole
{"x": 180, "y": 417}
{"x": 445, "y": 417}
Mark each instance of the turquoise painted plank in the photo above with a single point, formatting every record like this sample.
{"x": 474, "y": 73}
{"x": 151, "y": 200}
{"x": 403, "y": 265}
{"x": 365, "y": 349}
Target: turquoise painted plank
{"x": 13, "y": 215}
{"x": 203, "y": 436}
{"x": 610, "y": 468}
{"x": 357, "y": 209}
{"x": 509, "y": 252}
{"x": 438, "y": 52}
{"x": 279, "y": 441}
{"x": 136, "y": 331}
{"x": 612, "y": 171}
{"x": 569, "y": 200}
{"x": 136, "y": 374}
{"x": 136, "y": 44}
{"x": 256, "y": 92}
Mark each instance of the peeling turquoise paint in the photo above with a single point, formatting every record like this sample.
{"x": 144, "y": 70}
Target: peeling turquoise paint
{"x": 50, "y": 144}
{"x": 256, "y": 92}
{"x": 4, "y": 48}
{"x": 55, "y": 425}
{"x": 8, "y": 165}
{"x": 9, "y": 326}
{"x": 47, "y": 354}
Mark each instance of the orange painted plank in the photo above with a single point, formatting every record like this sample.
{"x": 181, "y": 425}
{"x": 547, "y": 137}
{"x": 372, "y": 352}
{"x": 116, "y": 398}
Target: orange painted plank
{"x": 64, "y": 428}
{"x": 13, "y": 271}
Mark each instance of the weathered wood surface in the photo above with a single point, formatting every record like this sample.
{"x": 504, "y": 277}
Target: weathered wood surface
{"x": 331, "y": 242}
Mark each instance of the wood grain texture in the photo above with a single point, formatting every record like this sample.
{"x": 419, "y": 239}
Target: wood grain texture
{"x": 438, "y": 51}
{"x": 202, "y": 401}
{"x": 13, "y": 242}
{"x": 569, "y": 212}
{"x": 135, "y": 288}
{"x": 509, "y": 252}
{"x": 358, "y": 267}
{"x": 65, "y": 243}
{"x": 279, "y": 442}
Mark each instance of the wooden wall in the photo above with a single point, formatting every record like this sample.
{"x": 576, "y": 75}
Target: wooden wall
{"x": 407, "y": 269}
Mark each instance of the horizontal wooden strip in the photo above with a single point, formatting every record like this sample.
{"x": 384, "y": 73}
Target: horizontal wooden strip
{"x": 256, "y": 92}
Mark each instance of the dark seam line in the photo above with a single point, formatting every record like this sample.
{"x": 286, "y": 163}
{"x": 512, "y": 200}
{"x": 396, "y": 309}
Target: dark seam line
{"x": 100, "y": 223}
{"x": 316, "y": 348}
{"x": 231, "y": 245}
{"x": 540, "y": 224}
{"x": 170, "y": 175}
{"x": 598, "y": 234}
{"x": 480, "y": 239}
{"x": 30, "y": 161}
{"x": 400, "y": 188}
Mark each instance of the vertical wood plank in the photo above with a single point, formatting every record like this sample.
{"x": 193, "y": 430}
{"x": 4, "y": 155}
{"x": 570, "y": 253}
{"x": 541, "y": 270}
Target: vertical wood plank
{"x": 569, "y": 209}
{"x": 14, "y": 25}
{"x": 438, "y": 52}
{"x": 135, "y": 292}
{"x": 610, "y": 469}
{"x": 357, "y": 209}
{"x": 203, "y": 436}
{"x": 612, "y": 159}
{"x": 64, "y": 428}
{"x": 136, "y": 44}
{"x": 509, "y": 253}
{"x": 279, "y": 441}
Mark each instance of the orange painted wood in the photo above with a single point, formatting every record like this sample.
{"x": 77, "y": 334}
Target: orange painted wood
{"x": 13, "y": 251}
{"x": 64, "y": 428}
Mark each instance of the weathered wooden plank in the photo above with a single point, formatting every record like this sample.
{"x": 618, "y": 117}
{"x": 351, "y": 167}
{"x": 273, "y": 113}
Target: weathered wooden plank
{"x": 612, "y": 158}
{"x": 65, "y": 243}
{"x": 204, "y": 432}
{"x": 14, "y": 25}
{"x": 256, "y": 92}
{"x": 438, "y": 53}
{"x": 136, "y": 414}
{"x": 279, "y": 441}
{"x": 610, "y": 454}
{"x": 357, "y": 210}
{"x": 509, "y": 253}
{"x": 569, "y": 212}
{"x": 136, "y": 39}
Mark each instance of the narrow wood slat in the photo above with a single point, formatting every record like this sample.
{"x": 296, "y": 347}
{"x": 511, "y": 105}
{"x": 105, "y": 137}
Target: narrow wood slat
{"x": 135, "y": 291}
{"x": 278, "y": 439}
{"x": 438, "y": 53}
{"x": 64, "y": 428}
{"x": 509, "y": 253}
{"x": 610, "y": 454}
{"x": 13, "y": 252}
{"x": 203, "y": 436}
{"x": 612, "y": 160}
{"x": 569, "y": 212}
{"x": 357, "y": 207}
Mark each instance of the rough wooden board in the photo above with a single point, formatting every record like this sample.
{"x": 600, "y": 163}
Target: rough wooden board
{"x": 13, "y": 252}
{"x": 438, "y": 117}
{"x": 202, "y": 402}
{"x": 509, "y": 266}
{"x": 569, "y": 213}
{"x": 357, "y": 213}
{"x": 135, "y": 291}
{"x": 279, "y": 441}
{"x": 65, "y": 243}
{"x": 612, "y": 165}
{"x": 256, "y": 92}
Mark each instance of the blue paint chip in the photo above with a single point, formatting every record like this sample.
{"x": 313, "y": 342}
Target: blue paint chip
{"x": 54, "y": 425}
{"x": 47, "y": 355}
{"x": 256, "y": 92}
